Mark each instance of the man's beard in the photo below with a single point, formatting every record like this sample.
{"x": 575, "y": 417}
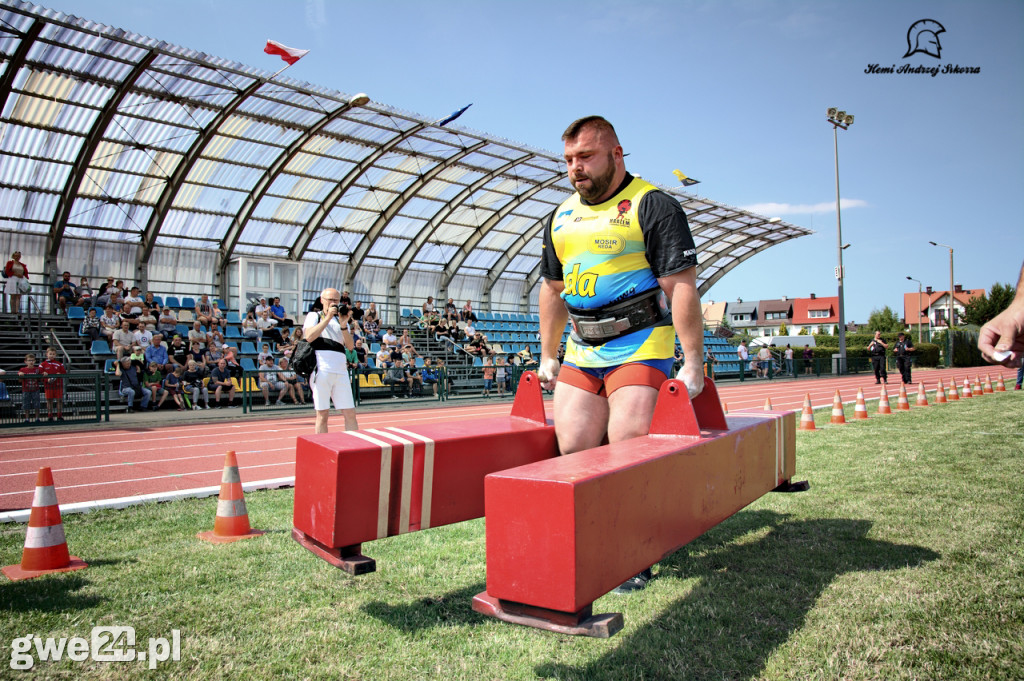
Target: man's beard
{"x": 598, "y": 185}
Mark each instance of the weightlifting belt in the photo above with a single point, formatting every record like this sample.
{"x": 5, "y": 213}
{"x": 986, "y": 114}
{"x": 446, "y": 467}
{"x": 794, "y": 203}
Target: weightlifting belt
{"x": 597, "y": 327}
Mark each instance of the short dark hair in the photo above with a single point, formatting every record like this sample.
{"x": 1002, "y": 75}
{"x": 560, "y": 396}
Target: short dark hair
{"x": 597, "y": 122}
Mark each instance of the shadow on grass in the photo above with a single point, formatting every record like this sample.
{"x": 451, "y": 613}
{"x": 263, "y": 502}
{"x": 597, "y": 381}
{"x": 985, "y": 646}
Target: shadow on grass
{"x": 424, "y": 613}
{"x": 749, "y": 598}
{"x": 48, "y": 593}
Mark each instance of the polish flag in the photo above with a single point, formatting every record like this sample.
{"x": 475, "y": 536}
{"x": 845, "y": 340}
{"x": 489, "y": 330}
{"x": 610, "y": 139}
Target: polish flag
{"x": 289, "y": 54}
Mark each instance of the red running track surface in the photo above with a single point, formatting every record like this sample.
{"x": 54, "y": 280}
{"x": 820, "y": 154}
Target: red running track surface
{"x": 117, "y": 464}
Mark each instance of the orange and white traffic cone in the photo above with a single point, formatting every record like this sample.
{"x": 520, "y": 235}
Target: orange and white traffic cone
{"x": 860, "y": 410}
{"x": 903, "y": 404}
{"x": 940, "y": 393}
{"x": 883, "y": 402}
{"x": 725, "y": 407}
{"x": 1000, "y": 386}
{"x": 976, "y": 386}
{"x": 987, "y": 387}
{"x": 954, "y": 394}
{"x": 922, "y": 396}
{"x": 967, "y": 388}
{"x": 232, "y": 521}
{"x": 838, "y": 417}
{"x": 46, "y": 548}
{"x": 767, "y": 404}
{"x": 807, "y": 415}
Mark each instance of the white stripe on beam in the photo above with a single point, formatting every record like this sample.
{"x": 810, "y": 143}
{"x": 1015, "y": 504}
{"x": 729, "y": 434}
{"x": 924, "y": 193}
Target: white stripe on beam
{"x": 428, "y": 473}
{"x": 406, "y": 498}
{"x": 384, "y": 493}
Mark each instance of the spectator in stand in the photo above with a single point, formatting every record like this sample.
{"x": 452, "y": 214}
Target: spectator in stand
{"x": 231, "y": 358}
{"x": 442, "y": 331}
{"x": 110, "y": 322}
{"x": 357, "y": 312}
{"x": 451, "y": 312}
{"x": 131, "y": 384}
{"x": 153, "y": 380}
{"x": 488, "y": 376}
{"x": 478, "y": 346}
{"x": 764, "y": 362}
{"x": 143, "y": 336}
{"x": 116, "y": 299}
{"x": 409, "y": 353}
{"x": 17, "y": 281}
{"x": 214, "y": 354}
{"x": 220, "y": 381}
{"x": 404, "y": 339}
{"x": 249, "y": 328}
{"x": 396, "y": 375}
{"x": 267, "y": 327}
{"x": 394, "y": 353}
{"x": 132, "y": 306}
{"x": 150, "y": 300}
{"x": 103, "y": 295}
{"x": 30, "y": 387}
{"x": 360, "y": 353}
{"x": 85, "y": 293}
{"x": 53, "y": 384}
{"x": 500, "y": 376}
{"x": 261, "y": 306}
{"x": 788, "y": 356}
{"x": 280, "y": 316}
{"x": 264, "y": 353}
{"x": 215, "y": 338}
{"x": 443, "y": 375}
{"x": 157, "y": 353}
{"x": 710, "y": 362}
{"x": 138, "y": 358}
{"x": 177, "y": 352}
{"x": 288, "y": 345}
{"x": 429, "y": 374}
{"x": 172, "y": 385}
{"x": 219, "y": 319}
{"x": 427, "y": 310}
{"x": 147, "y": 317}
{"x": 204, "y": 311}
{"x": 467, "y": 313}
{"x": 197, "y": 354}
{"x": 741, "y": 352}
{"x": 123, "y": 339}
{"x": 167, "y": 324}
{"x": 469, "y": 331}
{"x": 383, "y": 357}
{"x": 91, "y": 325}
{"x": 288, "y": 376}
{"x": 192, "y": 381}
{"x": 389, "y": 337}
{"x": 346, "y": 299}
{"x": 197, "y": 335}
{"x": 64, "y": 292}
{"x": 371, "y": 327}
{"x": 269, "y": 380}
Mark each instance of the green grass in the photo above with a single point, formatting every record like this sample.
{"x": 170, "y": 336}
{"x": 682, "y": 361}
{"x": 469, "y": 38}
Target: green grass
{"x": 903, "y": 561}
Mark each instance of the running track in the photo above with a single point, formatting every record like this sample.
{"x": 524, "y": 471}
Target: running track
{"x": 117, "y": 468}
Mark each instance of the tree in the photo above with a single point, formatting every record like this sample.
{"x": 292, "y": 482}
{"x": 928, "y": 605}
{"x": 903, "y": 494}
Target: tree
{"x": 979, "y": 310}
{"x": 884, "y": 320}
{"x": 783, "y": 331}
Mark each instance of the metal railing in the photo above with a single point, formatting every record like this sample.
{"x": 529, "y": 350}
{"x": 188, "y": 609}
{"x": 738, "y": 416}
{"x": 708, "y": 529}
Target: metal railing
{"x": 35, "y": 399}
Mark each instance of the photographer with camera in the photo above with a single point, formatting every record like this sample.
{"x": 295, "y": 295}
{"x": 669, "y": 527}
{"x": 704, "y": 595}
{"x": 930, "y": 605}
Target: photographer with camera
{"x": 328, "y": 331}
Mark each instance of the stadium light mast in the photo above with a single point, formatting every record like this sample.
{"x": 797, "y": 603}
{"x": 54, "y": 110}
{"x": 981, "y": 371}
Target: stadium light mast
{"x": 949, "y": 320}
{"x": 919, "y": 337}
{"x": 839, "y": 119}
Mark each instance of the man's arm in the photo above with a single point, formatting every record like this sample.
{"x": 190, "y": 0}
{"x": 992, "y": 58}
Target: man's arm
{"x": 553, "y": 317}
{"x": 681, "y": 289}
{"x": 1001, "y": 340}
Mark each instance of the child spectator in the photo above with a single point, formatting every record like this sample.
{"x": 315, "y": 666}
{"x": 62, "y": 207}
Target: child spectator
{"x": 192, "y": 381}
{"x": 171, "y": 387}
{"x": 264, "y": 354}
{"x": 500, "y": 376}
{"x": 488, "y": 376}
{"x": 429, "y": 375}
{"x": 85, "y": 293}
{"x": 153, "y": 380}
{"x": 53, "y": 387}
{"x": 217, "y": 316}
{"x": 30, "y": 387}
{"x": 443, "y": 375}
{"x": 138, "y": 358}
{"x": 91, "y": 325}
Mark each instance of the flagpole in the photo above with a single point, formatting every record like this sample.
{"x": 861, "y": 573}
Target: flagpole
{"x": 285, "y": 68}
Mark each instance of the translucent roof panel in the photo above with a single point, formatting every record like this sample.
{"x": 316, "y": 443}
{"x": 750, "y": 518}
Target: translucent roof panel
{"x": 110, "y": 135}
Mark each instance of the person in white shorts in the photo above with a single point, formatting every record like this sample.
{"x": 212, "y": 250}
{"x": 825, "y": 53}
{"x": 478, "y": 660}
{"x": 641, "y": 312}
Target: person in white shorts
{"x": 330, "y": 379}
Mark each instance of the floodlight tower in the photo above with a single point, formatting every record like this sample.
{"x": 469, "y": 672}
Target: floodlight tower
{"x": 839, "y": 119}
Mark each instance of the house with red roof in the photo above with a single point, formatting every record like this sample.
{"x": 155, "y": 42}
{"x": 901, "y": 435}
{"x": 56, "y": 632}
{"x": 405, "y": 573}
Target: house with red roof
{"x": 931, "y": 308}
{"x": 817, "y": 315}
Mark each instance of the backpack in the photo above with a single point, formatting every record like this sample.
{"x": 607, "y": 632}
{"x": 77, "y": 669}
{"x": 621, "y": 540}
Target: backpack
{"x": 304, "y": 359}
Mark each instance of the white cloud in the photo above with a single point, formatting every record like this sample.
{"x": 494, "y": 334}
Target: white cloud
{"x": 773, "y": 209}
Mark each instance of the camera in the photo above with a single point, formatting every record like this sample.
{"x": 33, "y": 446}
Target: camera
{"x": 341, "y": 309}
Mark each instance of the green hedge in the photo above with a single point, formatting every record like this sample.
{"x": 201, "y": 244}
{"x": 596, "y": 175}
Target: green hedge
{"x": 925, "y": 354}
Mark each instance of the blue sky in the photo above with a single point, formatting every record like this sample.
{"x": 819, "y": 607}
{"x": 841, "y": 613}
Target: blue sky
{"x": 732, "y": 93}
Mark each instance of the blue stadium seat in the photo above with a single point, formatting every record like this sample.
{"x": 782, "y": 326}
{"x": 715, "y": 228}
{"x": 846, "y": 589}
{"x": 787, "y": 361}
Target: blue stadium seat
{"x": 477, "y": 362}
{"x": 76, "y": 312}
{"x": 233, "y": 317}
{"x": 108, "y": 366}
{"x": 419, "y": 362}
{"x": 371, "y": 361}
{"x": 188, "y": 303}
{"x": 220, "y": 303}
{"x": 100, "y": 348}
{"x": 233, "y": 332}
{"x": 181, "y": 330}
{"x": 247, "y": 364}
{"x": 173, "y": 303}
{"x": 159, "y": 301}
{"x": 249, "y": 349}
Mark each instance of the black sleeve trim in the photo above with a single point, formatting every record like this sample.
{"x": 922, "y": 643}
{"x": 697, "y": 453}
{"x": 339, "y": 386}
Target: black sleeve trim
{"x": 668, "y": 243}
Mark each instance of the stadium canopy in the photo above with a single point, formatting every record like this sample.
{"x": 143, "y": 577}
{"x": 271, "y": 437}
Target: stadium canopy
{"x": 125, "y": 155}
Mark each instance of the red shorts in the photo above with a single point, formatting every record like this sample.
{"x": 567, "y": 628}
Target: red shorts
{"x": 54, "y": 393}
{"x": 633, "y": 373}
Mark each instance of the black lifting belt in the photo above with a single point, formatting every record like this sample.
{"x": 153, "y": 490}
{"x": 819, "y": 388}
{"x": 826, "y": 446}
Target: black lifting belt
{"x": 596, "y": 327}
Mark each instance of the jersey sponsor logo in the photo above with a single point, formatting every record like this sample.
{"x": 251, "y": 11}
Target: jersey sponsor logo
{"x": 584, "y": 218}
{"x": 622, "y": 219}
{"x": 607, "y": 243}
{"x": 624, "y": 207}
{"x": 564, "y": 213}
{"x": 577, "y": 284}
